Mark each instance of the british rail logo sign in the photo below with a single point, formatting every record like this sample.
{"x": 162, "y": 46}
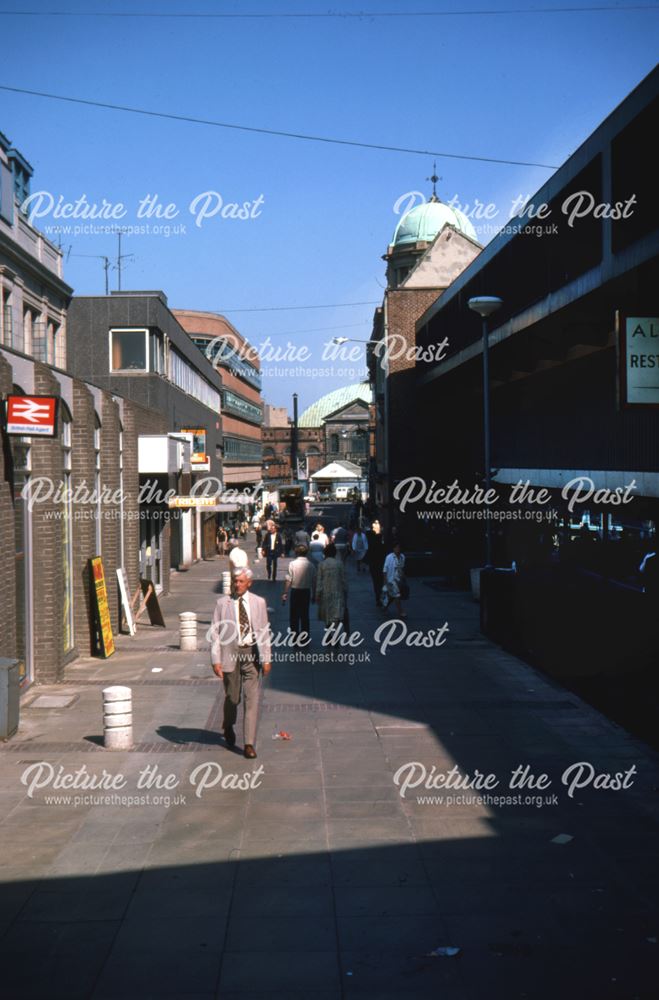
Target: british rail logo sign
{"x": 32, "y": 415}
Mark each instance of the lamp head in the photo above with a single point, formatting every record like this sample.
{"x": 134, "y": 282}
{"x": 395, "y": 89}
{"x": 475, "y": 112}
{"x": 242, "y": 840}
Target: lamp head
{"x": 485, "y": 305}
{"x": 339, "y": 340}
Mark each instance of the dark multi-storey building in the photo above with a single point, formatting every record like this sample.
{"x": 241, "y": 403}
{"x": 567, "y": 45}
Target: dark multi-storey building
{"x": 131, "y": 344}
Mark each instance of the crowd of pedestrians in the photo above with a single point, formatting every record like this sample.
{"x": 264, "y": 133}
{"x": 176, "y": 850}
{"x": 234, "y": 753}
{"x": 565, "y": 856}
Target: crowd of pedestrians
{"x": 317, "y": 574}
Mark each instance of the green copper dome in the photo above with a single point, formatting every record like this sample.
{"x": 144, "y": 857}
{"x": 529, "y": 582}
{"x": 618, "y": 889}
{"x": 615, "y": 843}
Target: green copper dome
{"x": 423, "y": 222}
{"x": 314, "y": 415}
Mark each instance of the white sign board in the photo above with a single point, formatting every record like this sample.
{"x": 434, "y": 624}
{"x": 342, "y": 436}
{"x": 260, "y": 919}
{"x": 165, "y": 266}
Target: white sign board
{"x": 125, "y": 601}
{"x": 642, "y": 360}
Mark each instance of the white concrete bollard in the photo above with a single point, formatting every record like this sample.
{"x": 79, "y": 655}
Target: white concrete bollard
{"x": 188, "y": 631}
{"x": 117, "y": 718}
{"x": 226, "y": 582}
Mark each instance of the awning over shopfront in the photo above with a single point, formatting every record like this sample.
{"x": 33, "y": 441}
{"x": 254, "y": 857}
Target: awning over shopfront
{"x": 338, "y": 471}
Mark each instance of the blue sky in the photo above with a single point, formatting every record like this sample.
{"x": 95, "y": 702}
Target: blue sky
{"x": 518, "y": 86}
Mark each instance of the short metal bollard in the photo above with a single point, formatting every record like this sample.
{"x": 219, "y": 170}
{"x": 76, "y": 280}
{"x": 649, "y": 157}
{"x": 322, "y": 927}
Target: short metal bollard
{"x": 117, "y": 718}
{"x": 226, "y": 582}
{"x": 188, "y": 631}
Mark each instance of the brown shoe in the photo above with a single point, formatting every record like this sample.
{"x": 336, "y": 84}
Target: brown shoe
{"x": 249, "y": 751}
{"x": 229, "y": 736}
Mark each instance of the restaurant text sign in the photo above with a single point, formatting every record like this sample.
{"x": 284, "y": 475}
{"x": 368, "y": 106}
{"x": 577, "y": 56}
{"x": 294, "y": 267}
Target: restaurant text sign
{"x": 641, "y": 360}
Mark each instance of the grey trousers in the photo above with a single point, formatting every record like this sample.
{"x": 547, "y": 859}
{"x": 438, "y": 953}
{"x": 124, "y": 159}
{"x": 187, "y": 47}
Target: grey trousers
{"x": 243, "y": 680}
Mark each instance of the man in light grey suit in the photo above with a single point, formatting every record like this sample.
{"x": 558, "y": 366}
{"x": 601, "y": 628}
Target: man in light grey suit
{"x": 240, "y": 652}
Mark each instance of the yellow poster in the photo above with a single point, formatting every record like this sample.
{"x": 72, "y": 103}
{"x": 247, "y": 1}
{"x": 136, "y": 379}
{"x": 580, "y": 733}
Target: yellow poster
{"x": 102, "y": 608}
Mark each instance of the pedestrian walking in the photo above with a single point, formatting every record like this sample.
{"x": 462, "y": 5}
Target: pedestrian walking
{"x": 360, "y": 548}
{"x": 331, "y": 589}
{"x": 340, "y": 539}
{"x": 258, "y": 531}
{"x": 375, "y": 556}
{"x": 240, "y": 656}
{"x": 395, "y": 583}
{"x": 222, "y": 540}
{"x": 300, "y": 585}
{"x": 316, "y": 549}
{"x": 302, "y": 537}
{"x": 272, "y": 549}
{"x": 324, "y": 540}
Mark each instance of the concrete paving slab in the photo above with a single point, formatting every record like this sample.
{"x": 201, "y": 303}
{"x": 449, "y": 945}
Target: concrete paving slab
{"x": 326, "y": 844}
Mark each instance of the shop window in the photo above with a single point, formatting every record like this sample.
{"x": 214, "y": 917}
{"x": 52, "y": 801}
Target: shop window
{"x": 128, "y": 350}
{"x": 97, "y": 484}
{"x": 122, "y": 538}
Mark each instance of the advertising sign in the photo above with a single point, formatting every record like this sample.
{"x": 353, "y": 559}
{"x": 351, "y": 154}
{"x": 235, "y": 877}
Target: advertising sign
{"x": 640, "y": 360}
{"x": 102, "y": 609}
{"x": 122, "y": 580}
{"x": 198, "y": 454}
{"x": 186, "y": 501}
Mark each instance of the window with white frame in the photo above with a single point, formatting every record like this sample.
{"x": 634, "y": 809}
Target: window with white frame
{"x": 187, "y": 378}
{"x": 129, "y": 350}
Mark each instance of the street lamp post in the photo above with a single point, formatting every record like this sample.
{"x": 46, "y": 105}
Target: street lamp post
{"x": 294, "y": 441}
{"x": 485, "y": 305}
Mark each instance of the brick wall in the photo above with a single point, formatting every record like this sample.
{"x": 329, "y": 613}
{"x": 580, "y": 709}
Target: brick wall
{"x": 46, "y": 457}
{"x": 406, "y": 435}
{"x": 84, "y": 531}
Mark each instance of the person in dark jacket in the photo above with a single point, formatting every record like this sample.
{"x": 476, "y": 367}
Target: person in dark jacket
{"x": 273, "y": 548}
{"x": 375, "y": 556}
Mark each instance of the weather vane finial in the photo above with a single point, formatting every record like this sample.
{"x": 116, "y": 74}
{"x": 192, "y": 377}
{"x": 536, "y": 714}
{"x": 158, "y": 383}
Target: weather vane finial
{"x": 434, "y": 178}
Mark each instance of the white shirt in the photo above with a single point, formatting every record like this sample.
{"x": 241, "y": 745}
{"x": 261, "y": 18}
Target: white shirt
{"x": 393, "y": 567}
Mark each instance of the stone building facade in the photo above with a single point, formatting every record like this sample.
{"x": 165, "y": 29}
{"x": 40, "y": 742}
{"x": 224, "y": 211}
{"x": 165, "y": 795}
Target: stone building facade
{"x": 432, "y": 244}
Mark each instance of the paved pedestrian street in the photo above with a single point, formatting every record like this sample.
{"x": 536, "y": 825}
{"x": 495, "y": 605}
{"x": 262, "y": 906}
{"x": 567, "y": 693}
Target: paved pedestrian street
{"x": 329, "y": 867}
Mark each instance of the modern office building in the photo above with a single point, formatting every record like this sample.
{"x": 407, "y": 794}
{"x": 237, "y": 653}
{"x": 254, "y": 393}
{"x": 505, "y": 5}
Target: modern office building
{"x": 574, "y": 397}
{"x": 131, "y": 344}
{"x": 238, "y": 367}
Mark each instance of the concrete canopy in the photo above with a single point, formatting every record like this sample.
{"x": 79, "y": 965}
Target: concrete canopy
{"x": 339, "y": 470}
